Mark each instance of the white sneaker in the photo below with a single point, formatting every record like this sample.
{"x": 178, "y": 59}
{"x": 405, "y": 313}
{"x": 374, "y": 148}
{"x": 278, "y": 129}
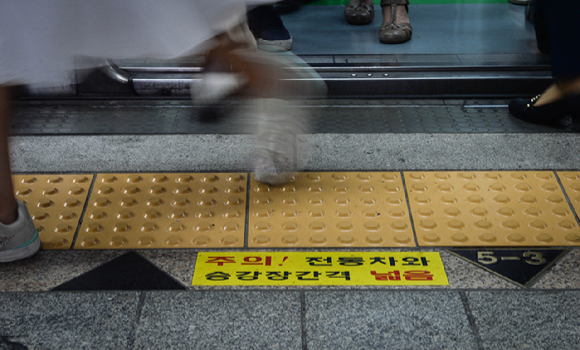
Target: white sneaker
{"x": 278, "y": 124}
{"x": 19, "y": 240}
{"x": 273, "y": 168}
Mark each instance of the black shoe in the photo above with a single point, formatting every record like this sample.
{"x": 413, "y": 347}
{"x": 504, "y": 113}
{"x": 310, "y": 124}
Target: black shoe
{"x": 548, "y": 114}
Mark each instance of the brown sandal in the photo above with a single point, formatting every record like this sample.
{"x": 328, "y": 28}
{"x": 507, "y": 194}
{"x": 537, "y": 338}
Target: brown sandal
{"x": 359, "y": 14}
{"x": 392, "y": 32}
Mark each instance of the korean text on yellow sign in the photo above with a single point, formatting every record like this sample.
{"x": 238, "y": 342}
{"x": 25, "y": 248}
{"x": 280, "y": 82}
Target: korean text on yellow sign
{"x": 319, "y": 268}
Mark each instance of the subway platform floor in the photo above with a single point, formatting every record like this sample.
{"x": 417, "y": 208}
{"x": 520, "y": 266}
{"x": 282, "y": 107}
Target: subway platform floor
{"x": 142, "y": 297}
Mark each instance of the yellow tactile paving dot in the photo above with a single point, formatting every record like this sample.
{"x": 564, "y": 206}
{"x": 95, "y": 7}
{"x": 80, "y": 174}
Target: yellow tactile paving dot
{"x": 165, "y": 211}
{"x": 55, "y": 203}
{"x": 344, "y": 209}
{"x": 490, "y": 209}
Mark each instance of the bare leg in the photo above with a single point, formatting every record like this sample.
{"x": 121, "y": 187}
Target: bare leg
{"x": 222, "y": 56}
{"x": 396, "y": 26}
{"x": 401, "y": 17}
{"x": 8, "y": 212}
{"x": 274, "y": 80}
{"x": 18, "y": 235}
{"x": 264, "y": 75}
{"x": 558, "y": 90}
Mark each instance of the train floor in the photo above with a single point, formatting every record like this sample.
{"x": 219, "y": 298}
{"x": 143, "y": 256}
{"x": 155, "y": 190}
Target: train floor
{"x": 414, "y": 224}
{"x": 455, "y": 31}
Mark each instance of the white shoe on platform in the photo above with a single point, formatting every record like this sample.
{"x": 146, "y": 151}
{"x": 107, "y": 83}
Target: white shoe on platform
{"x": 278, "y": 123}
{"x": 19, "y": 240}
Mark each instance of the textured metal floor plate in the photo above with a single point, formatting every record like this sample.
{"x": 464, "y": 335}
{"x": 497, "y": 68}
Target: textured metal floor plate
{"x": 490, "y": 209}
{"x": 90, "y": 117}
{"x": 165, "y": 211}
{"x": 331, "y": 210}
{"x": 55, "y": 203}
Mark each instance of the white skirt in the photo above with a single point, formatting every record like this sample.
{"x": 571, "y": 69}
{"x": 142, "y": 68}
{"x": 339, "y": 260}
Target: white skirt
{"x": 42, "y": 40}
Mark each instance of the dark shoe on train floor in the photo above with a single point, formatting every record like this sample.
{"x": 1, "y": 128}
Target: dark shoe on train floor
{"x": 359, "y": 14}
{"x": 393, "y": 32}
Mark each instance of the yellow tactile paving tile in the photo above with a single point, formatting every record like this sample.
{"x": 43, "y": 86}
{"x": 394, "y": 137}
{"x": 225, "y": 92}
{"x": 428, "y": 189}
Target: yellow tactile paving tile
{"x": 346, "y": 209}
{"x": 165, "y": 211}
{"x": 571, "y": 183}
{"x": 490, "y": 209}
{"x": 55, "y": 203}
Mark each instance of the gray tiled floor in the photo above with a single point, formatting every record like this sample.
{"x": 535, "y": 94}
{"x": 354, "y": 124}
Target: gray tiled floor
{"x": 220, "y": 320}
{"x": 397, "y": 320}
{"x": 67, "y": 320}
{"x": 564, "y": 275}
{"x": 48, "y": 269}
{"x": 525, "y": 320}
{"x": 278, "y": 319}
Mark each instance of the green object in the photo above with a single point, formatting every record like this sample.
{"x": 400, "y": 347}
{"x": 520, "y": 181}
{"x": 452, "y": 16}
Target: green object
{"x": 415, "y": 2}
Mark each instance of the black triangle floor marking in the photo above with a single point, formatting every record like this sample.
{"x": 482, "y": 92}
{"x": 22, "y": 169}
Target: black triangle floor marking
{"x": 520, "y": 266}
{"x": 127, "y": 272}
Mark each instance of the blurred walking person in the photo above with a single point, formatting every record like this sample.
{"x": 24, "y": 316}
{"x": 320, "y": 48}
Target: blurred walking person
{"x": 43, "y": 41}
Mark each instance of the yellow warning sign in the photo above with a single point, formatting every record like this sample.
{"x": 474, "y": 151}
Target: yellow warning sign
{"x": 319, "y": 268}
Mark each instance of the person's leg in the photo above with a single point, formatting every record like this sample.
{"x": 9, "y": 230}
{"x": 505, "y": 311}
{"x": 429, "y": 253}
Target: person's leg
{"x": 231, "y": 54}
{"x": 18, "y": 236}
{"x": 562, "y": 97}
{"x": 266, "y": 74}
{"x": 562, "y": 17}
{"x": 559, "y": 89}
{"x": 274, "y": 81}
{"x": 401, "y": 16}
{"x": 396, "y": 27}
{"x": 7, "y": 201}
